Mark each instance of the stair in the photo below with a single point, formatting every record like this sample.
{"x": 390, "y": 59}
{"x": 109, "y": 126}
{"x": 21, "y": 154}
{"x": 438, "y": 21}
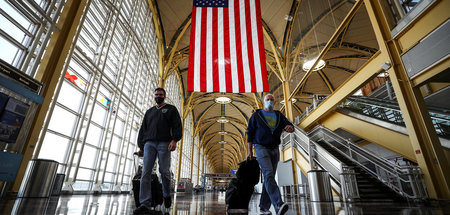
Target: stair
{"x": 369, "y": 187}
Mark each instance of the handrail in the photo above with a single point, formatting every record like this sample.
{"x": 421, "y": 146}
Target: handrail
{"x": 394, "y": 106}
{"x": 407, "y": 180}
{"x": 375, "y": 108}
{"x": 313, "y": 151}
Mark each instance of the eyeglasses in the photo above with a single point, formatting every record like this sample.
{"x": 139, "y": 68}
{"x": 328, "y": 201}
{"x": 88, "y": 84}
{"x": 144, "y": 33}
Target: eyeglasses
{"x": 159, "y": 94}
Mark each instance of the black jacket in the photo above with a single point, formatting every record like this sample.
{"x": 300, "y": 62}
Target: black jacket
{"x": 162, "y": 124}
{"x": 258, "y": 132}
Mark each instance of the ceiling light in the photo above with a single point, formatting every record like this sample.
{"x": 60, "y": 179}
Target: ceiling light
{"x": 288, "y": 17}
{"x": 223, "y": 100}
{"x": 383, "y": 75}
{"x": 223, "y": 132}
{"x": 293, "y": 101}
{"x": 308, "y": 64}
{"x": 222, "y": 141}
{"x": 222, "y": 120}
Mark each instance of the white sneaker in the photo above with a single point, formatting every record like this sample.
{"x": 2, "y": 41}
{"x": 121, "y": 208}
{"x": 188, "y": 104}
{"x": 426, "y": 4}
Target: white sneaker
{"x": 158, "y": 207}
{"x": 264, "y": 211}
{"x": 283, "y": 209}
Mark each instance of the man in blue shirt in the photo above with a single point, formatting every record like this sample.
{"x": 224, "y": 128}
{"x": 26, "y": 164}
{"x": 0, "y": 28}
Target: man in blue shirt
{"x": 264, "y": 131}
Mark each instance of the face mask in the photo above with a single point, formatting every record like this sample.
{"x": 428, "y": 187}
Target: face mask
{"x": 268, "y": 105}
{"x": 159, "y": 100}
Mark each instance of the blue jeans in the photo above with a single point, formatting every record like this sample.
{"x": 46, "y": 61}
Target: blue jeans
{"x": 268, "y": 160}
{"x": 151, "y": 150}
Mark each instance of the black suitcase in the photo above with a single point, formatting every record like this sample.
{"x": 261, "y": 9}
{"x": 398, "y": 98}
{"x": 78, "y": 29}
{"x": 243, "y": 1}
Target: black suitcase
{"x": 157, "y": 195}
{"x": 136, "y": 186}
{"x": 240, "y": 189}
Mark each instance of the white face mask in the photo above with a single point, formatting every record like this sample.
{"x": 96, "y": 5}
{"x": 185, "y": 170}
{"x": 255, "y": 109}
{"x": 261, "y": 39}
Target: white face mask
{"x": 268, "y": 104}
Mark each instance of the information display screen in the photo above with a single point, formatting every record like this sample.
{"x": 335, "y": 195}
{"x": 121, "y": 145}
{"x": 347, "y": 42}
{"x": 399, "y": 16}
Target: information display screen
{"x": 12, "y": 116}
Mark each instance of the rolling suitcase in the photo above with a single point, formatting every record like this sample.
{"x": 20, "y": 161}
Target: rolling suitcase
{"x": 157, "y": 195}
{"x": 136, "y": 181}
{"x": 240, "y": 189}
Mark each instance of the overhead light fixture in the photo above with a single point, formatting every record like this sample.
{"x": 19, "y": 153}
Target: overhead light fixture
{"x": 288, "y": 17}
{"x": 223, "y": 132}
{"x": 308, "y": 64}
{"x": 222, "y": 141}
{"x": 222, "y": 120}
{"x": 223, "y": 100}
{"x": 293, "y": 101}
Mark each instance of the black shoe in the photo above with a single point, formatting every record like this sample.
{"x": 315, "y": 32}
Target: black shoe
{"x": 141, "y": 210}
{"x": 282, "y": 209}
{"x": 167, "y": 202}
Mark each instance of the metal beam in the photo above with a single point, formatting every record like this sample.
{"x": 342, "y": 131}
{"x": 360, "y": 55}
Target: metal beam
{"x": 371, "y": 132}
{"x": 290, "y": 26}
{"x": 355, "y": 82}
{"x": 326, "y": 80}
{"x": 49, "y": 72}
{"x": 272, "y": 39}
{"x": 159, "y": 33}
{"x": 341, "y": 27}
{"x": 176, "y": 39}
{"x": 349, "y": 71}
{"x": 424, "y": 140}
{"x": 314, "y": 24}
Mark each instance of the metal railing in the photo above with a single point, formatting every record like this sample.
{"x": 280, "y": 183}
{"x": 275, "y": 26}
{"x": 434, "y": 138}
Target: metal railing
{"x": 405, "y": 180}
{"x": 310, "y": 150}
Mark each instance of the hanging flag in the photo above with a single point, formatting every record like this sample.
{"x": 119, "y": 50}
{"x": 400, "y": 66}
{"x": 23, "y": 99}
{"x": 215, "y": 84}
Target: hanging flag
{"x": 226, "y": 52}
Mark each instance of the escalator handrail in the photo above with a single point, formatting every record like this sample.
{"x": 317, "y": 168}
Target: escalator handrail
{"x": 386, "y": 104}
{"x": 349, "y": 145}
{"x": 400, "y": 173}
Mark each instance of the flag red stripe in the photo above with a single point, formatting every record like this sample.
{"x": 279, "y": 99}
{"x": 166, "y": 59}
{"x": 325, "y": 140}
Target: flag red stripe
{"x": 215, "y": 51}
{"x": 226, "y": 29}
{"x": 262, "y": 54}
{"x": 192, "y": 52}
{"x": 240, "y": 68}
{"x": 203, "y": 51}
{"x": 251, "y": 60}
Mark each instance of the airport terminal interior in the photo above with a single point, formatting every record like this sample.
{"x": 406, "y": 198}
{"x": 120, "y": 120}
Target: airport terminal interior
{"x": 365, "y": 83}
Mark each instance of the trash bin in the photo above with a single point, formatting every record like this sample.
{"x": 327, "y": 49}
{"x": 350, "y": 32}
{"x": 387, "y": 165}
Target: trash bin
{"x": 39, "y": 178}
{"x": 319, "y": 186}
{"x": 57, "y": 186}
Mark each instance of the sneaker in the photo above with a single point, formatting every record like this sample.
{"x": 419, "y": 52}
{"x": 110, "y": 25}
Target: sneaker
{"x": 167, "y": 202}
{"x": 237, "y": 211}
{"x": 141, "y": 210}
{"x": 283, "y": 209}
{"x": 264, "y": 211}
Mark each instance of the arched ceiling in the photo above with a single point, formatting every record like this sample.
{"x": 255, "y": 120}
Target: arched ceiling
{"x": 297, "y": 31}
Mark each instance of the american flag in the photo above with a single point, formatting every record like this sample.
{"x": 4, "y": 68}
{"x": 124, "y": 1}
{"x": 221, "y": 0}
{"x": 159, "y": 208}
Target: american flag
{"x": 226, "y": 52}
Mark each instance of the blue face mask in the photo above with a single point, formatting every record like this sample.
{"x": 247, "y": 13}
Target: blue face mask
{"x": 268, "y": 105}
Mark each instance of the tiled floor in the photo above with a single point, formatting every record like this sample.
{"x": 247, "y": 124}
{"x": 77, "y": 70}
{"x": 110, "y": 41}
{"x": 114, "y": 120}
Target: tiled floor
{"x": 203, "y": 203}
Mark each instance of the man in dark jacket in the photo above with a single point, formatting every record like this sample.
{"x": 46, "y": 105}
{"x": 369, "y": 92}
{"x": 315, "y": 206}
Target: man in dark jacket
{"x": 264, "y": 131}
{"x": 160, "y": 131}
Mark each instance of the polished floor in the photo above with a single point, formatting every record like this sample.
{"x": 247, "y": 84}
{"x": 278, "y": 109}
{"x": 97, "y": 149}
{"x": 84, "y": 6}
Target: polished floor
{"x": 204, "y": 203}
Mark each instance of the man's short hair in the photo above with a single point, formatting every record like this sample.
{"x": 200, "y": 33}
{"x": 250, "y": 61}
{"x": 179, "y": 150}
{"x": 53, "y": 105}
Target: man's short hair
{"x": 268, "y": 95}
{"x": 161, "y": 89}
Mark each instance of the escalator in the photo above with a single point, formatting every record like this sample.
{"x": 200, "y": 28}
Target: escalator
{"x": 356, "y": 173}
{"x": 369, "y": 187}
{"x": 374, "y": 110}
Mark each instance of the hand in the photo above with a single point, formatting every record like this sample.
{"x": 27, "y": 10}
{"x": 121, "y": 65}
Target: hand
{"x": 250, "y": 156}
{"x": 250, "y": 151}
{"x": 172, "y": 145}
{"x": 140, "y": 153}
{"x": 289, "y": 128}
